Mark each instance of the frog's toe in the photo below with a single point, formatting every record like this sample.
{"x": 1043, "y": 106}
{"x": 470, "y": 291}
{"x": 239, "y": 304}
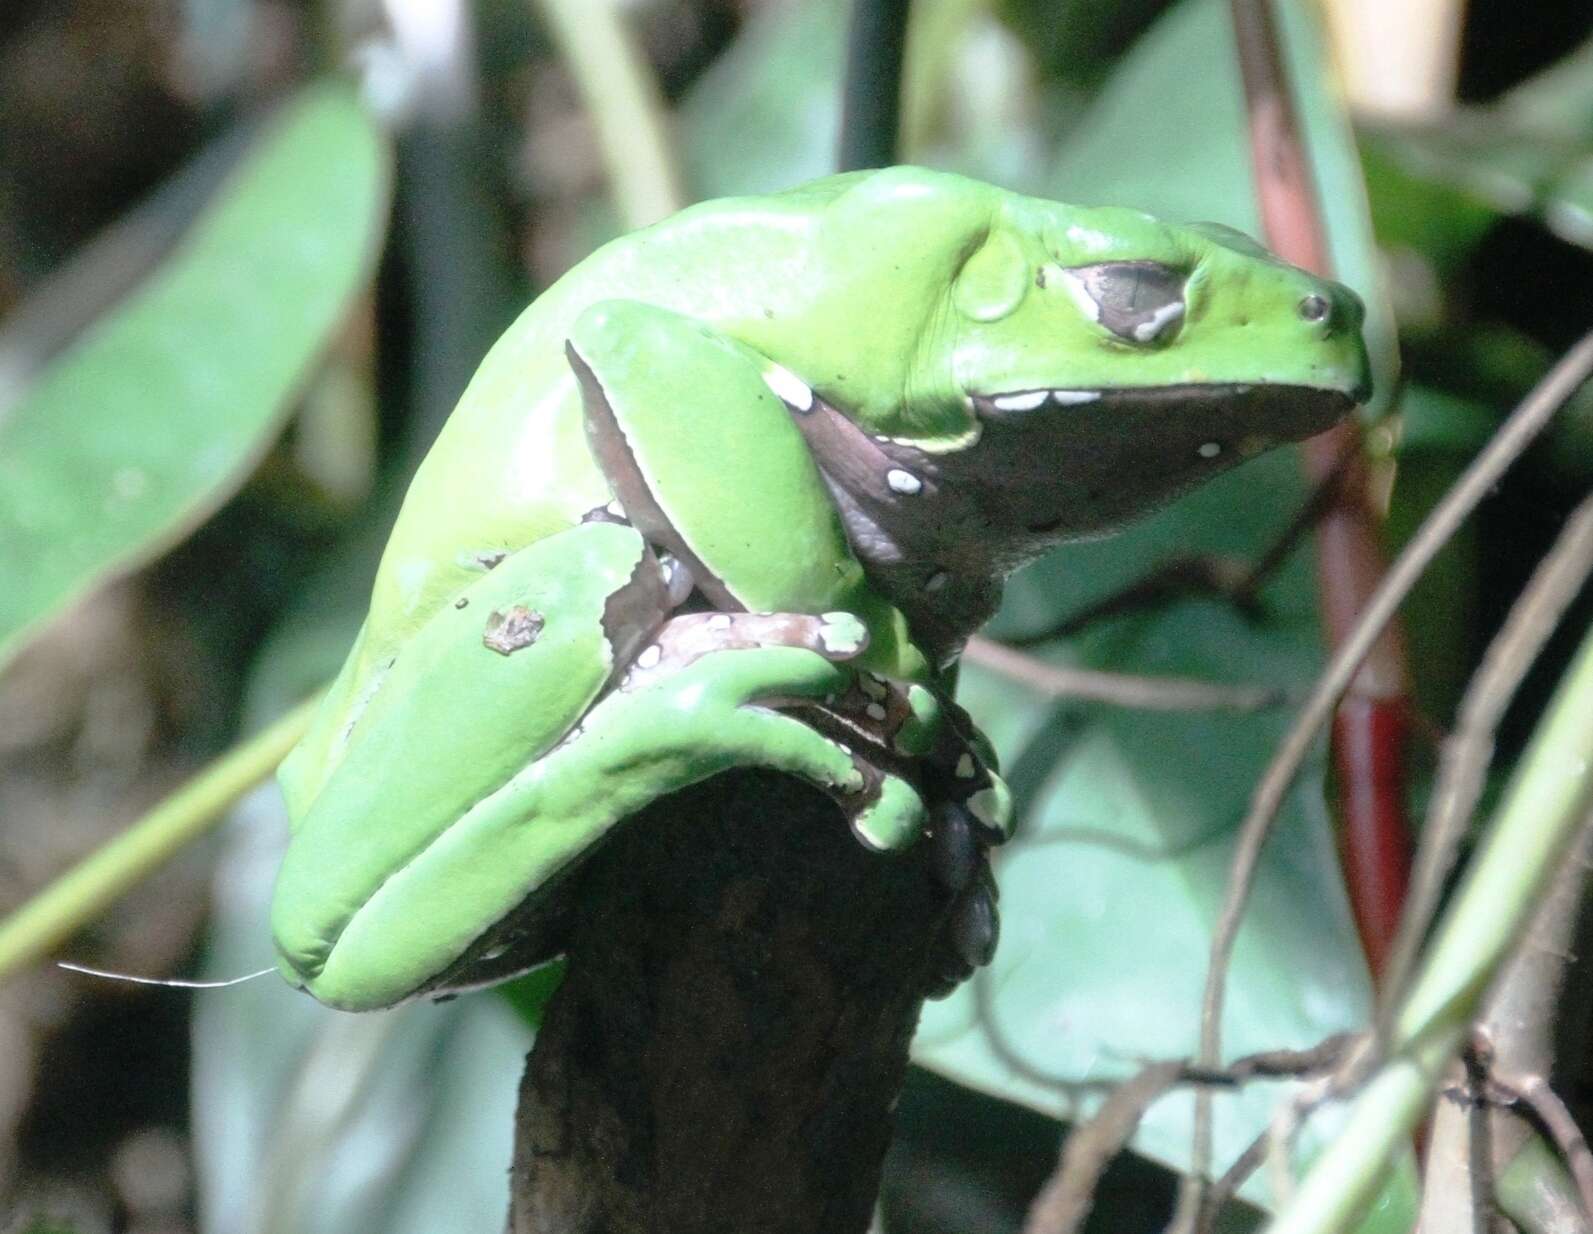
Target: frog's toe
{"x": 778, "y": 742}
{"x": 889, "y": 815}
{"x": 975, "y": 925}
{"x": 967, "y": 940}
{"x": 955, "y": 852}
{"x": 991, "y": 805}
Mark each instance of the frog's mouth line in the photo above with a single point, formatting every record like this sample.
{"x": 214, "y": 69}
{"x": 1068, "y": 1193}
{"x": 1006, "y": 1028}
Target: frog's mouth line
{"x": 1016, "y": 405}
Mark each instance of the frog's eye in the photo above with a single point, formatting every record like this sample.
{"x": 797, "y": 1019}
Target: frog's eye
{"x": 1139, "y": 301}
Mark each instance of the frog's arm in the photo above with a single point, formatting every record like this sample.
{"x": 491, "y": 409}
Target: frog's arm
{"x": 706, "y": 460}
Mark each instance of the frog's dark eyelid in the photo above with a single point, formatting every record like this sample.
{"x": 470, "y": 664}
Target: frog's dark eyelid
{"x": 1140, "y": 302}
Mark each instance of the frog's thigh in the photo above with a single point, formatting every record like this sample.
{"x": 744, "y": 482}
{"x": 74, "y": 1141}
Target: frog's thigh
{"x": 475, "y": 696}
{"x": 707, "y": 460}
{"x": 634, "y": 746}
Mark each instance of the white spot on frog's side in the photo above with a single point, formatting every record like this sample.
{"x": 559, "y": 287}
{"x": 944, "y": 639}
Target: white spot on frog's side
{"x": 1152, "y": 329}
{"x": 129, "y": 483}
{"x": 936, "y": 581}
{"x": 876, "y": 711}
{"x": 1080, "y": 295}
{"x": 414, "y": 575}
{"x": 873, "y": 686}
{"x": 1088, "y": 239}
{"x": 1031, "y": 399}
{"x": 720, "y": 621}
{"x": 904, "y": 482}
{"x": 791, "y": 389}
{"x": 650, "y": 657}
{"x": 496, "y": 953}
{"x": 1210, "y": 449}
{"x": 1020, "y": 402}
{"x": 965, "y": 766}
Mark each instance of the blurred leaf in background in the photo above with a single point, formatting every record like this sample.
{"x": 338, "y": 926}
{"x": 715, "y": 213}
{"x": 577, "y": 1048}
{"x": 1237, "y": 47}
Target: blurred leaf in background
{"x": 144, "y": 427}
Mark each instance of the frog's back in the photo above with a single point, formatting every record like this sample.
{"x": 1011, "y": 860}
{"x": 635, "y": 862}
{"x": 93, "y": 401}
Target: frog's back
{"x": 511, "y": 465}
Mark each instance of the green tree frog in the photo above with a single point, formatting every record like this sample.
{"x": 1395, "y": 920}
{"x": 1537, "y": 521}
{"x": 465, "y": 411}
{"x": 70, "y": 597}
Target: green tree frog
{"x": 733, "y": 493}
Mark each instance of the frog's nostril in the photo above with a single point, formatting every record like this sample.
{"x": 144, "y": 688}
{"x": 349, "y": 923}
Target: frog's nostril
{"x": 1315, "y": 308}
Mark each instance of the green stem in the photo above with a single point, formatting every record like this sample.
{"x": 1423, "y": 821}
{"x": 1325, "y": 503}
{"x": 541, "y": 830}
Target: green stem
{"x": 623, "y": 99}
{"x": 871, "y": 105}
{"x": 1546, "y": 803}
{"x": 83, "y": 892}
{"x": 1535, "y": 1191}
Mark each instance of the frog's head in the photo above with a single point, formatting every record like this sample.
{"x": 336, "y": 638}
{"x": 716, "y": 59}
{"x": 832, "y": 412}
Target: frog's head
{"x": 1130, "y": 359}
{"x": 1086, "y": 364}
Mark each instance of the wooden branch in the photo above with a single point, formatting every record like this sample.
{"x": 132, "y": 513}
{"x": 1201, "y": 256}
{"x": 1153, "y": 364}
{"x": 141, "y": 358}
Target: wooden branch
{"x": 744, "y": 979}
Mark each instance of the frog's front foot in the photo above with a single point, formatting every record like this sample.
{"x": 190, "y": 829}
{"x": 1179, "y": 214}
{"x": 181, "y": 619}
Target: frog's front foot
{"x": 776, "y": 710}
{"x": 960, "y": 856}
{"x": 900, "y": 761}
{"x": 932, "y": 741}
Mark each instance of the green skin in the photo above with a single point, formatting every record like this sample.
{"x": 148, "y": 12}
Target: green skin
{"x": 733, "y": 493}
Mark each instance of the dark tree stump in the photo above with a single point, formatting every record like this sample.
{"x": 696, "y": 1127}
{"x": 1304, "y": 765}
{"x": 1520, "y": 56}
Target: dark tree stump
{"x": 727, "y": 1046}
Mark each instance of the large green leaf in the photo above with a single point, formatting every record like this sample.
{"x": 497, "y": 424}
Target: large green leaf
{"x": 146, "y": 425}
{"x": 1111, "y": 887}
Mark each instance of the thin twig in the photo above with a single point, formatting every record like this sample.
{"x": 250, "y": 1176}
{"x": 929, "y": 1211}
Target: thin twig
{"x": 1118, "y": 689}
{"x": 1064, "y": 1202}
{"x": 1349, "y": 1059}
{"x": 1469, "y": 750}
{"x": 1519, "y": 430}
{"x": 1557, "y": 1120}
{"x": 1222, "y": 1192}
{"x": 872, "y": 101}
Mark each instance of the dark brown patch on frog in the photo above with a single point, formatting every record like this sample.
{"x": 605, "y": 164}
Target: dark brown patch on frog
{"x": 634, "y": 612}
{"x": 1034, "y": 478}
{"x": 512, "y": 631}
{"x": 614, "y": 456}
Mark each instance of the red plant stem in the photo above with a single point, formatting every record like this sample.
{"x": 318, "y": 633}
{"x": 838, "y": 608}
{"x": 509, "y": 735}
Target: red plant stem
{"x": 1368, "y": 747}
{"x": 1371, "y": 727}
